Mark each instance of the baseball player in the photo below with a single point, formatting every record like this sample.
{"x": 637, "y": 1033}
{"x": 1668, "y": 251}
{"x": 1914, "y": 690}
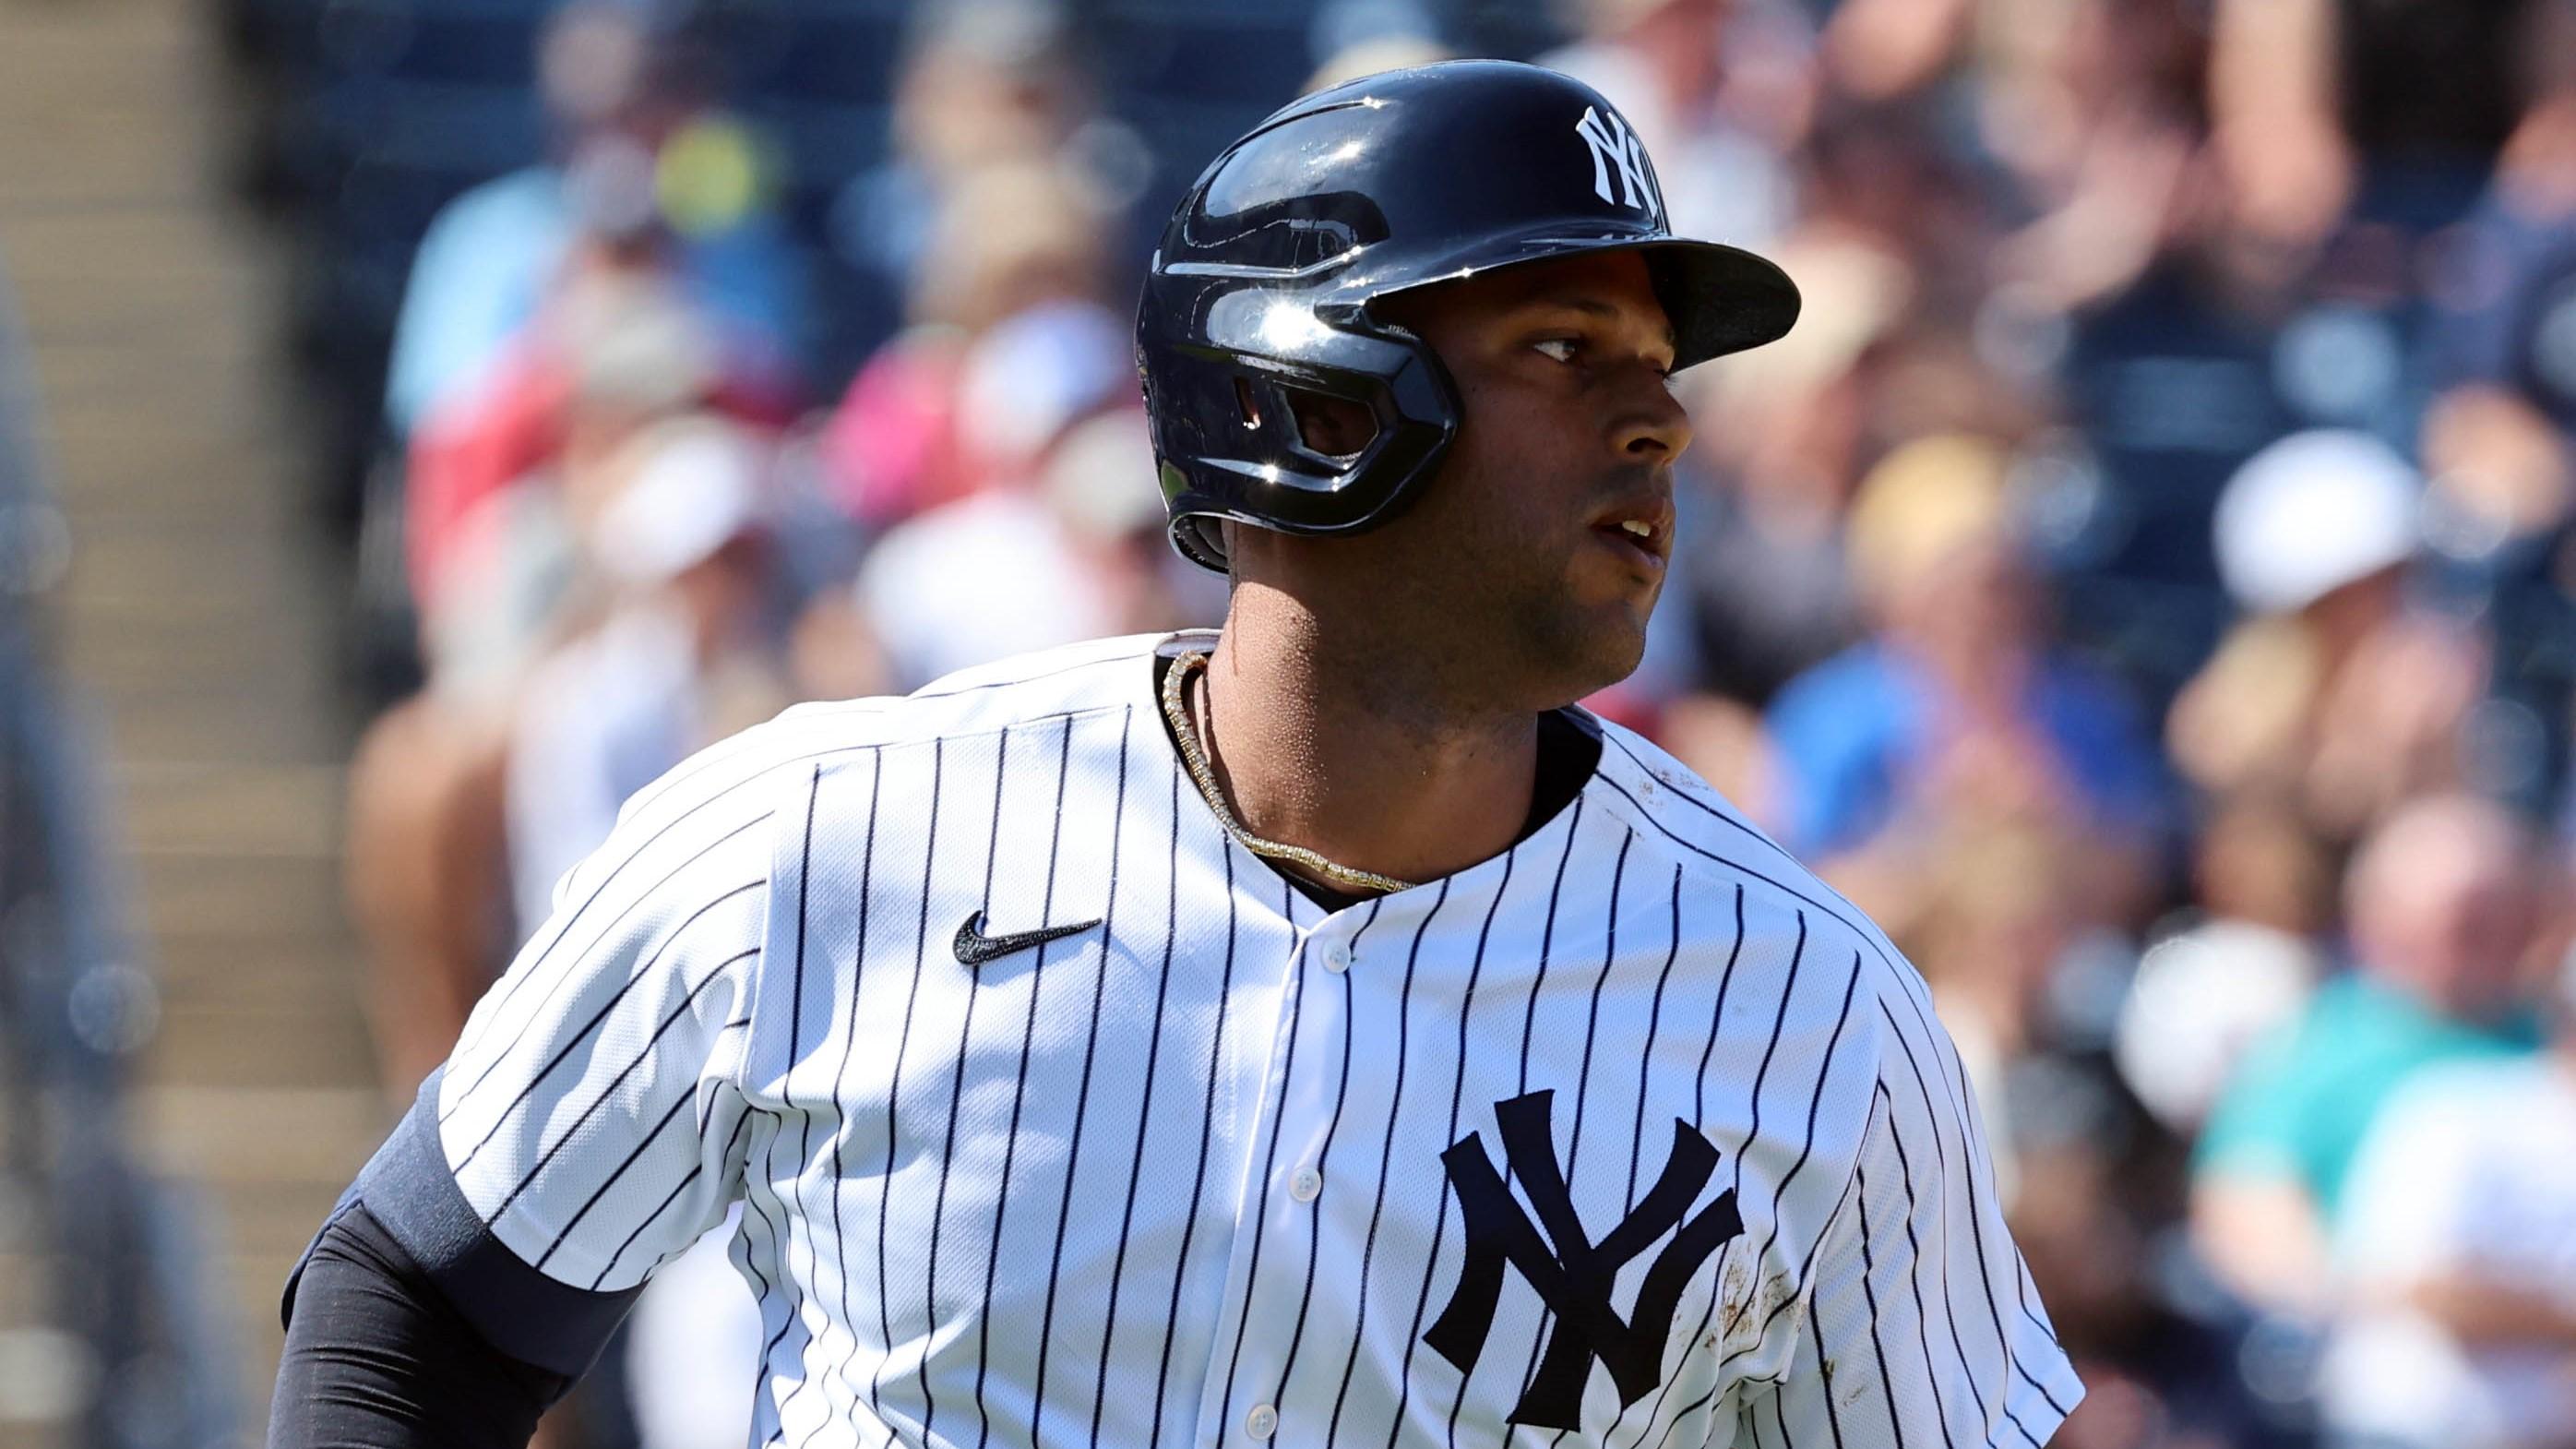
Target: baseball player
{"x": 1317, "y": 1031}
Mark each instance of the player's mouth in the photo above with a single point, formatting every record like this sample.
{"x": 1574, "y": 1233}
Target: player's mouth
{"x": 1639, "y": 527}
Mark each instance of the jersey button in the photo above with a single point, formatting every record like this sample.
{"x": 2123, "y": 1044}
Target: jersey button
{"x": 1262, "y": 1422}
{"x": 1337, "y": 958}
{"x": 1307, "y": 1185}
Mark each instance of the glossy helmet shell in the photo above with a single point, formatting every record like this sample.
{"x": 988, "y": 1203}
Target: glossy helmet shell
{"x": 1264, "y": 281}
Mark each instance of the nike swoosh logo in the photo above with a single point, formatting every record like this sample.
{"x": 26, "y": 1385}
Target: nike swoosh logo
{"x": 974, "y": 948}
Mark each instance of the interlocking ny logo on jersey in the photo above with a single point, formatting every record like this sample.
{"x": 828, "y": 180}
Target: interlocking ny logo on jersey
{"x": 1615, "y": 148}
{"x": 1575, "y": 1279}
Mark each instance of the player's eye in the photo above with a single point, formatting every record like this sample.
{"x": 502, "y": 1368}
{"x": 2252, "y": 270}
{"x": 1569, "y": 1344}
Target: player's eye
{"x": 1562, "y": 349}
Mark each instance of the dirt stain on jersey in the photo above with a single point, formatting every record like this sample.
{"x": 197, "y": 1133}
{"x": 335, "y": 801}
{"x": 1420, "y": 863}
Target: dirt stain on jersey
{"x": 1734, "y": 1300}
{"x": 1747, "y": 1313}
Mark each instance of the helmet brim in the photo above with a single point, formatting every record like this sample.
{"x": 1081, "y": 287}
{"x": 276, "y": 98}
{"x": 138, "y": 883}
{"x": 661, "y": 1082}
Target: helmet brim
{"x": 1720, "y": 299}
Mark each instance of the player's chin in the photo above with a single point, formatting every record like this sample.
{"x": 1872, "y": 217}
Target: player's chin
{"x": 1604, "y": 643}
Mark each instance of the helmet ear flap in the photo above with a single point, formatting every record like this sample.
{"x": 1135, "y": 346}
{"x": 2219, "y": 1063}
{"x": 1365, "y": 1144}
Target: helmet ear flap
{"x": 1274, "y": 411}
{"x": 1201, "y": 539}
{"x": 1332, "y": 440}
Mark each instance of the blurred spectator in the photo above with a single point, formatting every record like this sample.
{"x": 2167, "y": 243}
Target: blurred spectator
{"x": 2334, "y": 697}
{"x": 1958, "y": 719}
{"x": 1781, "y": 447}
{"x": 2496, "y": 443}
{"x": 2505, "y": 297}
{"x": 1012, "y": 239}
{"x": 1035, "y": 374}
{"x": 2096, "y": 113}
{"x": 2457, "y": 1258}
{"x": 645, "y": 164}
{"x": 2400, "y": 101}
{"x": 1893, "y": 189}
{"x": 2241, "y": 323}
{"x": 2093, "y": 1195}
{"x": 986, "y": 83}
{"x": 1076, "y": 552}
{"x": 685, "y": 655}
{"x": 1758, "y": 587}
{"x": 1880, "y": 51}
{"x": 2205, "y": 994}
{"x": 570, "y": 554}
{"x": 504, "y": 476}
{"x": 2499, "y": 477}
{"x": 2497, "y": 529}
{"x": 2442, "y": 904}
{"x": 1760, "y": 581}
{"x": 426, "y": 880}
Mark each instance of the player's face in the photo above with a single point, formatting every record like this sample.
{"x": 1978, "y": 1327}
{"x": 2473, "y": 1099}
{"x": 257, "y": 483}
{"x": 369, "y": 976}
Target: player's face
{"x": 1550, "y": 523}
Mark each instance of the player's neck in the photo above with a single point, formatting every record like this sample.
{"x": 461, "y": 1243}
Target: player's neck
{"x": 1330, "y": 738}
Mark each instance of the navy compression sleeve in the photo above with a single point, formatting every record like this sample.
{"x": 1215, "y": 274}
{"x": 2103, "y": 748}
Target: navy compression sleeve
{"x": 377, "y": 1359}
{"x": 409, "y": 1324}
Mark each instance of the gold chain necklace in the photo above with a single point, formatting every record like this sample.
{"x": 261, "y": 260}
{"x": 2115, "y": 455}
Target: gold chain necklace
{"x": 1185, "y": 733}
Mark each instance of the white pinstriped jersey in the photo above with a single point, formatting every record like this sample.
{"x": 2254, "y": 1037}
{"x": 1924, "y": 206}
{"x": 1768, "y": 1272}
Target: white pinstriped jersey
{"x": 1634, "y": 1135}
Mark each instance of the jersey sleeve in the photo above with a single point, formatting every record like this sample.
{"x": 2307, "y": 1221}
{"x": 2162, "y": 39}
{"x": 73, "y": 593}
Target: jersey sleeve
{"x": 1921, "y": 1325}
{"x": 592, "y": 1113}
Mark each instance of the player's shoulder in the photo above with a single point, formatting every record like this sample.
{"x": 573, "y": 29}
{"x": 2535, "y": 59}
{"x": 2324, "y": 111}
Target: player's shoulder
{"x": 1099, "y": 674}
{"x": 1689, "y": 822}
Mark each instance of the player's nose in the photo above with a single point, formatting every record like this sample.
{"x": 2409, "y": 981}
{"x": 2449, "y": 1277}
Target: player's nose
{"x": 1653, "y": 427}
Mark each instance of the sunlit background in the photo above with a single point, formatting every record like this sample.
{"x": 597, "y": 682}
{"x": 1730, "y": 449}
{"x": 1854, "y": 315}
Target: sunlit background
{"x": 2143, "y": 581}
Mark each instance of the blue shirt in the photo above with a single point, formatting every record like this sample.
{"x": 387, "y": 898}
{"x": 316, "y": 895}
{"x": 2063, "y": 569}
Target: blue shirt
{"x": 1850, "y": 734}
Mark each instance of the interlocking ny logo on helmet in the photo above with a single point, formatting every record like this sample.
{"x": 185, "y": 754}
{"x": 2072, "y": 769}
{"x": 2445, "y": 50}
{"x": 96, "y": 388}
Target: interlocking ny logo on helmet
{"x": 1264, "y": 282}
{"x": 1612, "y": 144}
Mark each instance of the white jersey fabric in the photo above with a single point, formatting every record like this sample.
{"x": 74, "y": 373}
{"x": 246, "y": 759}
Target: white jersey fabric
{"x": 1634, "y": 1133}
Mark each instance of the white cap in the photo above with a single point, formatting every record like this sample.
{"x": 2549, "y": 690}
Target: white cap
{"x": 696, "y": 487}
{"x": 2314, "y": 512}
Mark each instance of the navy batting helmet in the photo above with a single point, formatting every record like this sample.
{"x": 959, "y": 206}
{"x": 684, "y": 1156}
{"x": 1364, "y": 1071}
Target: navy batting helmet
{"x": 1264, "y": 281}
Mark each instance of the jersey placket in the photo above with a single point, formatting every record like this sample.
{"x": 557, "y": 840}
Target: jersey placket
{"x": 1287, "y": 1139}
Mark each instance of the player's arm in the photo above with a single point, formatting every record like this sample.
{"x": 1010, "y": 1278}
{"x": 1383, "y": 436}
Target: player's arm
{"x": 1921, "y": 1325}
{"x": 395, "y": 1331}
{"x": 589, "y": 1125}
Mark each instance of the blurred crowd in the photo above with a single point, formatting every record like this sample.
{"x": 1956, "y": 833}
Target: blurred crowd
{"x": 2145, "y": 580}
